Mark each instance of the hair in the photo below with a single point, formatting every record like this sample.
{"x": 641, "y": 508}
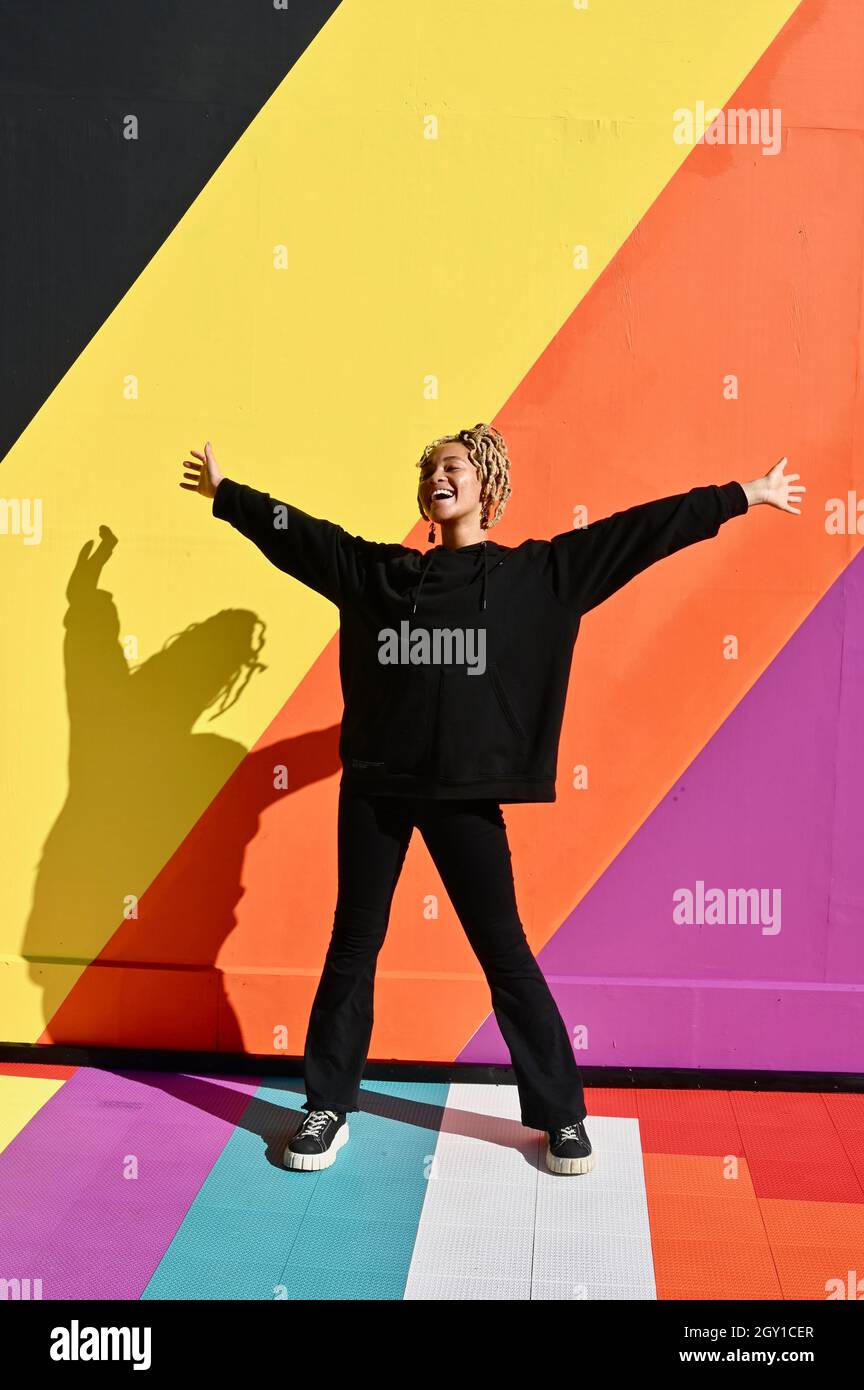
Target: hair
{"x": 488, "y": 453}
{"x": 234, "y": 633}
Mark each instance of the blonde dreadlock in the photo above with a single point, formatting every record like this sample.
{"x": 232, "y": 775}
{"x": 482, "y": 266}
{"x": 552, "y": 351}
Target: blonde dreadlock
{"x": 488, "y": 453}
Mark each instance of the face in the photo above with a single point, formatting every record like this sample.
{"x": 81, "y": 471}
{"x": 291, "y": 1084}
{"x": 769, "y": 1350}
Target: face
{"x": 449, "y": 484}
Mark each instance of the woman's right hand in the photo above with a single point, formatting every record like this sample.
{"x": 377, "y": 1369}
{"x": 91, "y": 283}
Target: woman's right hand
{"x": 204, "y": 476}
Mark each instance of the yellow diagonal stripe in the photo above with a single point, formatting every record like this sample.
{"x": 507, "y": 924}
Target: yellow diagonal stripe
{"x": 428, "y": 169}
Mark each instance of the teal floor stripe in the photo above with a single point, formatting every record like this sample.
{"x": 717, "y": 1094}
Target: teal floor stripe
{"x": 256, "y": 1230}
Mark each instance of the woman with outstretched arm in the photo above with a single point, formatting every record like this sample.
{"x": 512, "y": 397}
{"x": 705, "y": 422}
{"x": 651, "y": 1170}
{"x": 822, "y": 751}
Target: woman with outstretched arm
{"x": 454, "y": 664}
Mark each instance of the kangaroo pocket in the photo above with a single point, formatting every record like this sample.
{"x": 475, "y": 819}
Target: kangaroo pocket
{"x": 479, "y": 731}
{"x": 396, "y": 727}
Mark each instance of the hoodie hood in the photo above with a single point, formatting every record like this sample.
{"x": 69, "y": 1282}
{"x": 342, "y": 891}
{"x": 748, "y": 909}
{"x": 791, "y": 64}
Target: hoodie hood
{"x": 474, "y": 555}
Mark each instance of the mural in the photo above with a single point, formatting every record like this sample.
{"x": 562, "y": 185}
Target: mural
{"x": 590, "y": 244}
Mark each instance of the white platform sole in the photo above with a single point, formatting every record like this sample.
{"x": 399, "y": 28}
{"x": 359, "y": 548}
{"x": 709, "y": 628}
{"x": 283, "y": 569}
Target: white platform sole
{"x": 569, "y": 1165}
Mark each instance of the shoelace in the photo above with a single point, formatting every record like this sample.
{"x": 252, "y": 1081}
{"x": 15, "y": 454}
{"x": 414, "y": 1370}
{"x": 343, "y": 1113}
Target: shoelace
{"x": 571, "y": 1131}
{"x": 316, "y": 1121}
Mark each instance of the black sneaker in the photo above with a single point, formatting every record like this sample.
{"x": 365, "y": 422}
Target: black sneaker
{"x": 317, "y": 1141}
{"x": 568, "y": 1150}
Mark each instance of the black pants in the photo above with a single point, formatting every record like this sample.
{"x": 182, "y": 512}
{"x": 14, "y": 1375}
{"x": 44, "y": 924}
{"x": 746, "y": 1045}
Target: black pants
{"x": 468, "y": 844}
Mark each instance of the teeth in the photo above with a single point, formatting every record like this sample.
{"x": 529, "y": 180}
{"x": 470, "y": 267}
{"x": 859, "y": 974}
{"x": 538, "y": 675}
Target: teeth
{"x": 440, "y": 493}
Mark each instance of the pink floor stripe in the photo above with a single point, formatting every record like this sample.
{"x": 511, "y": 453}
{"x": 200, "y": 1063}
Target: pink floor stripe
{"x": 72, "y": 1216}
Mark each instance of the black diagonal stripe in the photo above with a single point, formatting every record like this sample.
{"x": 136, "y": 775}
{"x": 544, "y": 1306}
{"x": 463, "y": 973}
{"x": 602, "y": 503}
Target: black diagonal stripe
{"x": 84, "y": 210}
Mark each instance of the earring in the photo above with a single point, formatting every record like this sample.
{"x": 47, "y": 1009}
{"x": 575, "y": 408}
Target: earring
{"x": 431, "y": 535}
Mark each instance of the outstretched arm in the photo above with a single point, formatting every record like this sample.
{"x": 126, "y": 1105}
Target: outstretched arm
{"x": 590, "y": 563}
{"x": 96, "y": 668}
{"x": 318, "y": 552}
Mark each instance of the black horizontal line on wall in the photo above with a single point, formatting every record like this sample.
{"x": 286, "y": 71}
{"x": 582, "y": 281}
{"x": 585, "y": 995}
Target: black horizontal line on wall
{"x": 478, "y": 1073}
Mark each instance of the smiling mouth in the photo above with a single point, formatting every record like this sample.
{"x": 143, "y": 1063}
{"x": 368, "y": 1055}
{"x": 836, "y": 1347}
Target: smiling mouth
{"x": 441, "y": 495}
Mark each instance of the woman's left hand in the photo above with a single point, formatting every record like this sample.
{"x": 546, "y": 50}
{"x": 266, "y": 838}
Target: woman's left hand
{"x": 777, "y": 489}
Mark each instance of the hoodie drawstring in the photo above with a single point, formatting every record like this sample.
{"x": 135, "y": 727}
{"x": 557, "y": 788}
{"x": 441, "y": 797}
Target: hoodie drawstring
{"x": 422, "y": 577}
{"x": 483, "y": 603}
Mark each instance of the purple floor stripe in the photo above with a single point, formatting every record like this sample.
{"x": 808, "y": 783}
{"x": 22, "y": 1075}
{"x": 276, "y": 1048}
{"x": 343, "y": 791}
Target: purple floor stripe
{"x": 73, "y": 1214}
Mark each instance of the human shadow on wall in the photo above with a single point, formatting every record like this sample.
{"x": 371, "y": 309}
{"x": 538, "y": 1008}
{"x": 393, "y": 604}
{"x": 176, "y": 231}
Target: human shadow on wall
{"x": 139, "y": 779}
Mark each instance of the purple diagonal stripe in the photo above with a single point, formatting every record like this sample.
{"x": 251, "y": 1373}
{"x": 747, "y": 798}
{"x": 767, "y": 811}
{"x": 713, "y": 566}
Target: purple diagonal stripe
{"x": 773, "y": 802}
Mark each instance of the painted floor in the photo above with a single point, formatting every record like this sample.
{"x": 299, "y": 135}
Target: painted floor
{"x": 151, "y": 1185}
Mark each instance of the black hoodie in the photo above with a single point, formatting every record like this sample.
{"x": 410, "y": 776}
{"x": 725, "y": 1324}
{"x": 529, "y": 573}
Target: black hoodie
{"x": 455, "y": 663}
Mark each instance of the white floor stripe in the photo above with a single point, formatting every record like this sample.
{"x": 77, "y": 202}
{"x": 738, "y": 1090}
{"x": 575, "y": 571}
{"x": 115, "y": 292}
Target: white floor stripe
{"x": 496, "y": 1224}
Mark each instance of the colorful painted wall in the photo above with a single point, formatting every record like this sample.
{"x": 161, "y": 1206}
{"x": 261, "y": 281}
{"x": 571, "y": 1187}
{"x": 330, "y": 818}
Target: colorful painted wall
{"x": 320, "y": 236}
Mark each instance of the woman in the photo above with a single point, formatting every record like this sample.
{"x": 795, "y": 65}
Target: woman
{"x": 454, "y": 666}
